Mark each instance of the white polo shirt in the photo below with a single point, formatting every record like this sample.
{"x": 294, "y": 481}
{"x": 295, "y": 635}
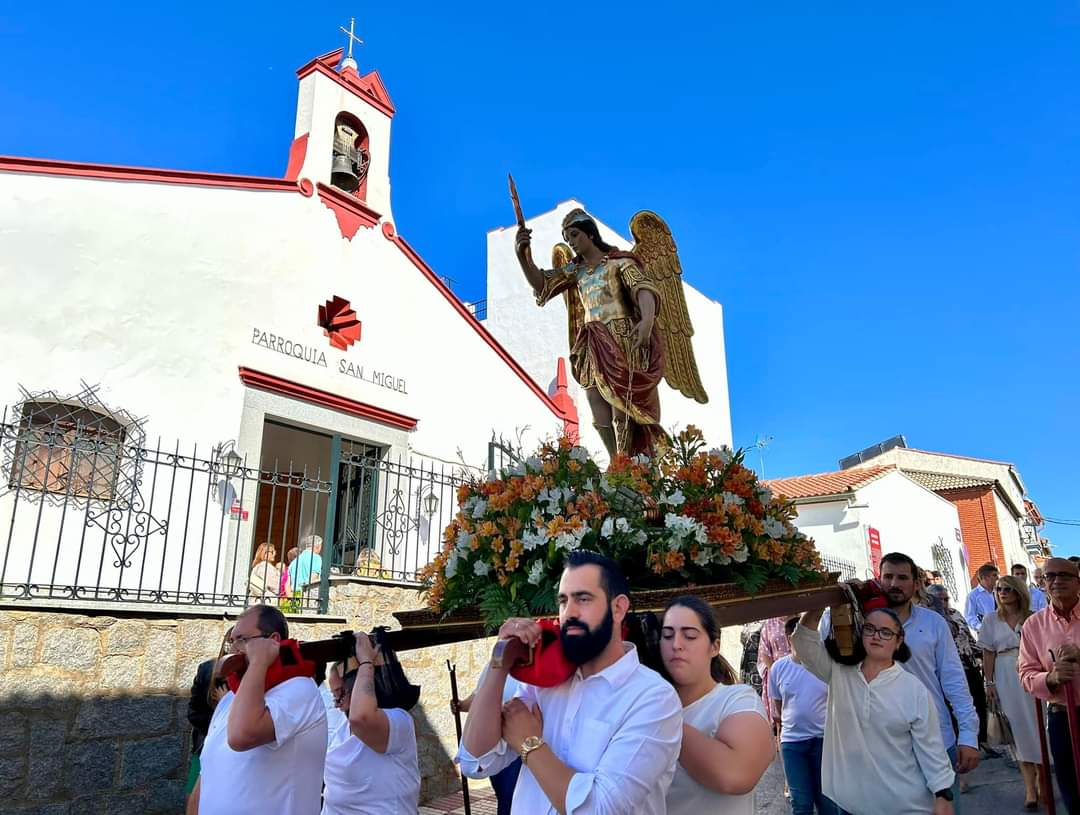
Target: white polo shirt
{"x": 284, "y": 777}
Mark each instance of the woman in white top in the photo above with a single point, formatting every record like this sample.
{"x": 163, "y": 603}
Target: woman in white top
{"x": 999, "y": 638}
{"x": 727, "y": 741}
{"x": 883, "y": 749}
{"x": 265, "y": 580}
{"x": 371, "y": 763}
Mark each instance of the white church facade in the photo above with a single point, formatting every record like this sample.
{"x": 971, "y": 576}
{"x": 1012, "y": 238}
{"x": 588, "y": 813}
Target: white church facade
{"x": 199, "y": 364}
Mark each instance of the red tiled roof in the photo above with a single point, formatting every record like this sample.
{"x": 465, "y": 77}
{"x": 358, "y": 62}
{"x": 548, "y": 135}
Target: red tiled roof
{"x": 809, "y": 486}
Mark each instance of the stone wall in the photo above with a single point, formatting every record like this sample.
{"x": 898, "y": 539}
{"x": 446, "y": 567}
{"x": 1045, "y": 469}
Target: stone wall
{"x": 93, "y": 704}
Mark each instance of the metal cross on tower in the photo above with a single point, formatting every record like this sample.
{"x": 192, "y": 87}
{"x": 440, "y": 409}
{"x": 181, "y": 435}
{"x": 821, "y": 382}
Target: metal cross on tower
{"x": 351, "y": 34}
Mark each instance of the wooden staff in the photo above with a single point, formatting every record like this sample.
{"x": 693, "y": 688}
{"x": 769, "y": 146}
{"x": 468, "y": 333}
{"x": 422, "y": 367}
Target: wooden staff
{"x": 1047, "y": 783}
{"x": 457, "y": 718}
{"x": 1074, "y": 730}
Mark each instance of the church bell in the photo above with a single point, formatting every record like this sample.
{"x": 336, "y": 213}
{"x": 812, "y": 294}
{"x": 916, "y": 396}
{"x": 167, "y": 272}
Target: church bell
{"x": 342, "y": 174}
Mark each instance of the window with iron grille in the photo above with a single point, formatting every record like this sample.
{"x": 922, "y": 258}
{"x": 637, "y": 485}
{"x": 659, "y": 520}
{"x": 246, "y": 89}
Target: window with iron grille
{"x": 943, "y": 563}
{"x": 68, "y": 450}
{"x": 836, "y": 564}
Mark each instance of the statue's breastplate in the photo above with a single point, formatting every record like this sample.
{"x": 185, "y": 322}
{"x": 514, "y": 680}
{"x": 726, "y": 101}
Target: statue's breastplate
{"x": 601, "y": 294}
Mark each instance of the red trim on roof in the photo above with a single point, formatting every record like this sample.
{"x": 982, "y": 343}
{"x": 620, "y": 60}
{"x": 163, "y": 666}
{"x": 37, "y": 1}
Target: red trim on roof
{"x": 294, "y": 390}
{"x": 369, "y": 87}
{"x": 485, "y": 335}
{"x": 152, "y": 175}
{"x": 350, "y": 211}
{"x": 297, "y": 153}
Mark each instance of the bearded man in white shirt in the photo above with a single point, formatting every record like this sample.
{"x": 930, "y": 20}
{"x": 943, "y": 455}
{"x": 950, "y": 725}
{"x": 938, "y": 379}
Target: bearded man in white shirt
{"x": 606, "y": 741}
{"x": 265, "y": 749}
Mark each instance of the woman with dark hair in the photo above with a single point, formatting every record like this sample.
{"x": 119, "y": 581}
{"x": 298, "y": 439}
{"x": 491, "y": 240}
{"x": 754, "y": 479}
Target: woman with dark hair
{"x": 371, "y": 762}
{"x": 727, "y": 741}
{"x": 206, "y": 691}
{"x": 883, "y": 748}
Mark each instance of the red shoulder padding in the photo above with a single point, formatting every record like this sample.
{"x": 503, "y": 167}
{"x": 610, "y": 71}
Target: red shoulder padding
{"x": 289, "y": 665}
{"x": 549, "y": 667}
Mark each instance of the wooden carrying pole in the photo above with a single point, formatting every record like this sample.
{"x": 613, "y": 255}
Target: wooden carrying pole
{"x": 1047, "y": 782}
{"x": 457, "y": 724}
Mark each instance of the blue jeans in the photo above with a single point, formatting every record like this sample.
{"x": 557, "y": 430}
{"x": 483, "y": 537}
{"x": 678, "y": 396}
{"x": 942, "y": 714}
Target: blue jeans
{"x": 802, "y": 766}
{"x": 503, "y": 782}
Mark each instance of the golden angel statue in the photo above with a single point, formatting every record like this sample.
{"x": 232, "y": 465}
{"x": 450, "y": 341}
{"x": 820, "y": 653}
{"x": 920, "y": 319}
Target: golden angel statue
{"x": 629, "y": 325}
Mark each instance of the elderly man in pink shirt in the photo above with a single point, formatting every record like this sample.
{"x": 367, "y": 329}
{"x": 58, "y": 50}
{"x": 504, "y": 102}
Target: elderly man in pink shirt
{"x": 1050, "y": 658}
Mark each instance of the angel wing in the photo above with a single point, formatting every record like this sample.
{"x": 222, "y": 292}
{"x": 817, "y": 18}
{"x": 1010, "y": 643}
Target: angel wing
{"x": 561, "y": 255}
{"x": 655, "y": 248}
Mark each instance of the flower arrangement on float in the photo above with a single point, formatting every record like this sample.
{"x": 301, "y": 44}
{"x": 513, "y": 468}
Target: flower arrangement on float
{"x": 692, "y": 517}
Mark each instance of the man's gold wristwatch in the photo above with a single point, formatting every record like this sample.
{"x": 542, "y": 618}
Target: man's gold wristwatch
{"x": 531, "y": 743}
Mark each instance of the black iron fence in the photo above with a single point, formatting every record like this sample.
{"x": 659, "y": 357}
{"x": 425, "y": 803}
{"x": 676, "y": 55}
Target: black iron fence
{"x": 88, "y": 512}
{"x": 837, "y": 564}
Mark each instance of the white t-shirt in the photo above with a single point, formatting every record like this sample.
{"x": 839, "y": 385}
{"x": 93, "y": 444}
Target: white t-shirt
{"x": 687, "y": 796}
{"x": 362, "y": 781}
{"x": 283, "y": 777}
{"x": 804, "y": 698}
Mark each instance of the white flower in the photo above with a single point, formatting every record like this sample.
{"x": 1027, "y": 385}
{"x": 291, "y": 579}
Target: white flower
{"x": 480, "y": 568}
{"x": 536, "y": 572}
{"x": 534, "y": 464}
{"x": 732, "y": 500}
{"x": 774, "y": 528}
{"x": 674, "y": 542}
{"x": 680, "y": 524}
{"x": 701, "y": 534}
{"x": 590, "y": 485}
{"x": 764, "y": 494}
{"x": 605, "y": 486}
{"x": 741, "y": 554}
{"x": 703, "y": 557}
{"x": 579, "y": 454}
{"x": 675, "y": 499}
{"x": 607, "y": 527}
{"x": 537, "y": 516}
{"x": 451, "y": 564}
{"x": 517, "y": 469}
{"x": 622, "y": 525}
{"x": 640, "y": 537}
{"x": 723, "y": 453}
{"x": 464, "y": 540}
{"x": 479, "y": 508}
{"x": 568, "y": 541}
{"x": 531, "y": 539}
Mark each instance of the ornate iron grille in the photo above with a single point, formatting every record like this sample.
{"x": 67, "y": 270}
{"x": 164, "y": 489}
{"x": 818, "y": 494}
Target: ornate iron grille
{"x": 836, "y": 564}
{"x": 943, "y": 563}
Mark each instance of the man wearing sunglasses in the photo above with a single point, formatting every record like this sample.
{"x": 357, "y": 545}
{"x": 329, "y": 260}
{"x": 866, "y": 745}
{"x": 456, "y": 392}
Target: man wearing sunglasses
{"x": 1049, "y": 657}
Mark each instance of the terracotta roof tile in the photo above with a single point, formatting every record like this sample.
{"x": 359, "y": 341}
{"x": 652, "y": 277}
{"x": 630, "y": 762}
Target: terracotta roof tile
{"x": 809, "y": 486}
{"x": 947, "y": 481}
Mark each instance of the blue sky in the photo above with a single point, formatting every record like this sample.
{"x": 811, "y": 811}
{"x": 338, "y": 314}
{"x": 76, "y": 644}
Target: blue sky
{"x": 884, "y": 198}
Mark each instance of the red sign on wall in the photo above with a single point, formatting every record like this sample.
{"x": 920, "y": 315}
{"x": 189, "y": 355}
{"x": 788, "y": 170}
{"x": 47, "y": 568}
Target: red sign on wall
{"x": 875, "y": 550}
{"x": 238, "y": 512}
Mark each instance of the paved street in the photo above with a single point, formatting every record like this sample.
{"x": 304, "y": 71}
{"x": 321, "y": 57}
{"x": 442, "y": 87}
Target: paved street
{"x": 995, "y": 787}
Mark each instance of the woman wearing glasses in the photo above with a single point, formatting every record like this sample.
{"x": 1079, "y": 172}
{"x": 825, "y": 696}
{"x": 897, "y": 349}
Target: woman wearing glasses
{"x": 371, "y": 762}
{"x": 999, "y": 639}
{"x": 883, "y": 750}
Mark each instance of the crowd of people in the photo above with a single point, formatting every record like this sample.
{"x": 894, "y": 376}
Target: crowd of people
{"x": 889, "y": 728}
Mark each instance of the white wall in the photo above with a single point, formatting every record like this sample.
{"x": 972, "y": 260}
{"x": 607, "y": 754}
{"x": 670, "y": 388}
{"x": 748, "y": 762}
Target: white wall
{"x": 838, "y": 530}
{"x": 155, "y": 292}
{"x": 537, "y": 337}
{"x": 911, "y": 520}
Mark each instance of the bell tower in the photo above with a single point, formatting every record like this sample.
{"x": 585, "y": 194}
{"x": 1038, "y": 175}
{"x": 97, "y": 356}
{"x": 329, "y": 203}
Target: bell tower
{"x": 342, "y": 136}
